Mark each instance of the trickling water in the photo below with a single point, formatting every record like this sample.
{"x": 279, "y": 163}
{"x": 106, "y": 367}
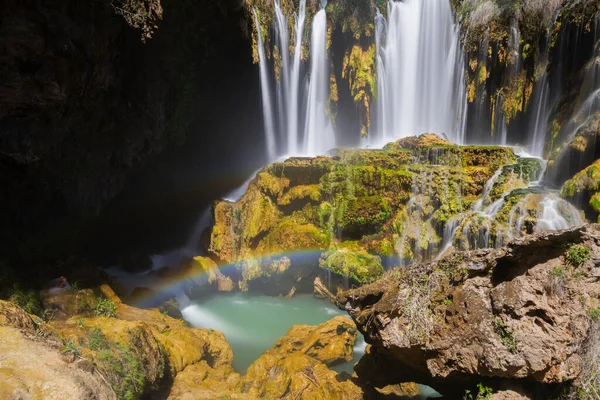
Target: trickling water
{"x": 553, "y": 218}
{"x": 539, "y": 123}
{"x": 419, "y": 69}
{"x": 487, "y": 188}
{"x": 266, "y": 95}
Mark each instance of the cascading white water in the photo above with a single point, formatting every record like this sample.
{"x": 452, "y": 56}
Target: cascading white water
{"x": 304, "y": 127}
{"x": 293, "y": 120}
{"x": 420, "y": 71}
{"x": 281, "y": 34}
{"x": 319, "y": 136}
{"x": 267, "y": 104}
{"x": 551, "y": 218}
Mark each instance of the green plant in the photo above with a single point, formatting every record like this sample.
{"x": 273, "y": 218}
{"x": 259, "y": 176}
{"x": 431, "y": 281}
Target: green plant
{"x": 74, "y": 287}
{"x": 557, "y": 272}
{"x": 577, "y": 254}
{"x": 27, "y": 300}
{"x": 97, "y": 340}
{"x": 506, "y": 335}
{"x": 106, "y": 308}
{"x": 557, "y": 278}
{"x": 124, "y": 370}
{"x": 70, "y": 347}
{"x": 483, "y": 393}
{"x": 595, "y": 314}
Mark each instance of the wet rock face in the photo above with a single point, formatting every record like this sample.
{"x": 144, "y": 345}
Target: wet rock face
{"x": 520, "y": 312}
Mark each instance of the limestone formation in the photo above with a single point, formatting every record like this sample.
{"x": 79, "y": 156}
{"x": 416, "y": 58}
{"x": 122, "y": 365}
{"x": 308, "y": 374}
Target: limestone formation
{"x": 521, "y": 312}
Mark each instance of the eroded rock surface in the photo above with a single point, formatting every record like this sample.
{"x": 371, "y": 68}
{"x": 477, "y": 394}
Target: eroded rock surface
{"x": 519, "y": 312}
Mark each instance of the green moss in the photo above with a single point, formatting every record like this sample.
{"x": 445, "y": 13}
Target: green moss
{"x": 360, "y": 266}
{"x": 365, "y": 215}
{"x": 301, "y": 192}
{"x": 270, "y": 184}
{"x": 587, "y": 180}
{"x": 359, "y": 69}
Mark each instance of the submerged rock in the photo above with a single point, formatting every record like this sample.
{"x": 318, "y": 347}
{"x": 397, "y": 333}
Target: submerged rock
{"x": 519, "y": 314}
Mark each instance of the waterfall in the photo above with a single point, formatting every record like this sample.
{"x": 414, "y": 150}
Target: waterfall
{"x": 420, "y": 71}
{"x": 319, "y": 136}
{"x": 295, "y": 82}
{"x": 556, "y": 214}
{"x": 538, "y": 124}
{"x": 266, "y": 94}
{"x": 304, "y": 127}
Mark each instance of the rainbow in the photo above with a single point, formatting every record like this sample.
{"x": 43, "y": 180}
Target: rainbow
{"x": 162, "y": 289}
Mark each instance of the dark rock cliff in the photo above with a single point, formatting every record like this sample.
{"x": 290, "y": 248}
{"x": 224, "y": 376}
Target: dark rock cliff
{"x": 89, "y": 93}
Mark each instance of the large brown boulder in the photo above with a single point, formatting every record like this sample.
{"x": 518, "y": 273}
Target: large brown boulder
{"x": 517, "y": 313}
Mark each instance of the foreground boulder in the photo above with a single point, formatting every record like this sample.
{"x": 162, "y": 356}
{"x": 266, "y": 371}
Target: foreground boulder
{"x": 92, "y": 345}
{"x": 296, "y": 367}
{"x": 31, "y": 367}
{"x": 522, "y": 313}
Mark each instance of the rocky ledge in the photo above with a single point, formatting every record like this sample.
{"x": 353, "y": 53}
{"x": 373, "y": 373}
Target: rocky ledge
{"x": 522, "y": 318}
{"x": 87, "y": 344}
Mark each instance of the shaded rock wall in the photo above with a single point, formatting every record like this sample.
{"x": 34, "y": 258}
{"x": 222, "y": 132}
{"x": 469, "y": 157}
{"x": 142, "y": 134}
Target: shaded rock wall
{"x": 90, "y": 94}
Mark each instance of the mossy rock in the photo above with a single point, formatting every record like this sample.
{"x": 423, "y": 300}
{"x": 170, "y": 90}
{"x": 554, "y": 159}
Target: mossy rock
{"x": 426, "y": 140}
{"x": 359, "y": 266}
{"x": 363, "y": 216}
{"x": 290, "y": 235}
{"x": 584, "y": 190}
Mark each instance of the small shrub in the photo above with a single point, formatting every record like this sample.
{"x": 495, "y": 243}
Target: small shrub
{"x": 506, "y": 335}
{"x": 417, "y": 307}
{"x": 97, "y": 341}
{"x": 70, "y": 347}
{"x": 576, "y": 255}
{"x": 589, "y": 379}
{"x": 106, "y": 308}
{"x": 124, "y": 370}
{"x": 557, "y": 277}
{"x": 483, "y": 393}
{"x": 74, "y": 287}
{"x": 27, "y": 300}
